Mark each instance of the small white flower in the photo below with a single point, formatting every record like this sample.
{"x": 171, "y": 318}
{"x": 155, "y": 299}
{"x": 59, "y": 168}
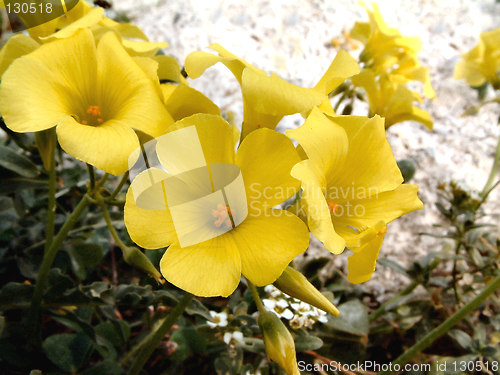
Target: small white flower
{"x": 233, "y": 337}
{"x": 269, "y": 303}
{"x": 287, "y": 314}
{"x": 295, "y": 305}
{"x": 269, "y": 289}
{"x": 220, "y": 319}
{"x": 282, "y": 303}
{"x": 323, "y": 319}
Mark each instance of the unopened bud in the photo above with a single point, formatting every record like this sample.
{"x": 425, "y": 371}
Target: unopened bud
{"x": 279, "y": 342}
{"x": 136, "y": 258}
{"x": 293, "y": 283}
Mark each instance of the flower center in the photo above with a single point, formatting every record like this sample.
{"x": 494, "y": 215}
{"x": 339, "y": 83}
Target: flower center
{"x": 333, "y": 207}
{"x": 223, "y": 215}
{"x": 93, "y": 116}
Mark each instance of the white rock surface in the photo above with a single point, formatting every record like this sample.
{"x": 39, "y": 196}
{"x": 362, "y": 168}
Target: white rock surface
{"x": 292, "y": 39}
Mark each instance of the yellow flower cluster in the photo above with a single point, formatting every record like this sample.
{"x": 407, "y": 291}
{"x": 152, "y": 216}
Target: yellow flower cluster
{"x": 87, "y": 81}
{"x": 482, "y": 63}
{"x": 104, "y": 93}
{"x": 389, "y": 61}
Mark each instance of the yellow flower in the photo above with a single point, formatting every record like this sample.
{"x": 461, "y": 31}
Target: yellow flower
{"x": 81, "y": 16}
{"x": 267, "y": 98}
{"x": 211, "y": 245}
{"x": 481, "y": 63}
{"x": 391, "y": 99}
{"x": 351, "y": 183}
{"x": 387, "y": 51}
{"x": 95, "y": 96}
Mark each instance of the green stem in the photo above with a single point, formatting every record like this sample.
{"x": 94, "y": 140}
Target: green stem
{"x": 493, "y": 171}
{"x": 444, "y": 327}
{"x": 152, "y": 341}
{"x": 119, "y": 187}
{"x": 91, "y": 177}
{"x": 48, "y": 259}
{"x": 383, "y": 307}
{"x": 51, "y": 210}
{"x": 255, "y": 296}
{"x": 107, "y": 218}
{"x": 100, "y": 183}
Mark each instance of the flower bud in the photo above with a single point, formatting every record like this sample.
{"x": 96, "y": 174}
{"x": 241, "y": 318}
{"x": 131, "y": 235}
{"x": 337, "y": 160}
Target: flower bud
{"x": 293, "y": 283}
{"x": 279, "y": 342}
{"x": 136, "y": 258}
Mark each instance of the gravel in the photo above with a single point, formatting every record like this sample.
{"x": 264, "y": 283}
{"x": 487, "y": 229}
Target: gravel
{"x": 292, "y": 38}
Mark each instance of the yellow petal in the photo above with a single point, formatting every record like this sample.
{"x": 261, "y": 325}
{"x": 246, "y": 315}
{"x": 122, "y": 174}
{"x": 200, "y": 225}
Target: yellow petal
{"x": 142, "y": 48}
{"x": 369, "y": 163}
{"x": 150, "y": 229}
{"x": 268, "y": 243}
{"x": 185, "y": 101}
{"x": 469, "y": 71}
{"x": 197, "y": 62}
{"x": 360, "y": 31}
{"x": 324, "y": 142}
{"x": 385, "y": 206}
{"x": 401, "y": 108}
{"x": 90, "y": 19}
{"x": 107, "y": 146}
{"x": 342, "y": 67}
{"x": 215, "y": 136}
{"x": 40, "y": 88}
{"x": 266, "y": 158}
{"x": 126, "y": 92}
{"x": 367, "y": 80}
{"x": 168, "y": 69}
{"x": 361, "y": 264}
{"x": 17, "y": 46}
{"x": 128, "y": 30}
{"x": 209, "y": 269}
{"x": 415, "y": 114}
{"x": 314, "y": 206}
{"x": 273, "y": 96}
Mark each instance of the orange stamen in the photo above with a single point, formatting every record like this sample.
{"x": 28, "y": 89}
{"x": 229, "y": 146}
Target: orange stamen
{"x": 94, "y": 110}
{"x": 332, "y": 207}
{"x": 222, "y": 215}
{"x": 84, "y": 122}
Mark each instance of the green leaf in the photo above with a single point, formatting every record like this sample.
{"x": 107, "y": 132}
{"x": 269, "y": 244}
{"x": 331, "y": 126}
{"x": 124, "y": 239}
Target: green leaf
{"x": 407, "y": 168}
{"x": 14, "y": 184}
{"x": 8, "y": 214}
{"x": 461, "y": 338}
{"x": 197, "y": 308}
{"x": 107, "y": 367}
{"x": 58, "y": 284}
{"x": 16, "y": 294}
{"x": 353, "y": 319}
{"x": 68, "y": 351}
{"x": 393, "y": 265}
{"x": 183, "y": 348}
{"x": 116, "y": 331}
{"x": 17, "y": 163}
{"x": 84, "y": 255}
{"x": 307, "y": 342}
